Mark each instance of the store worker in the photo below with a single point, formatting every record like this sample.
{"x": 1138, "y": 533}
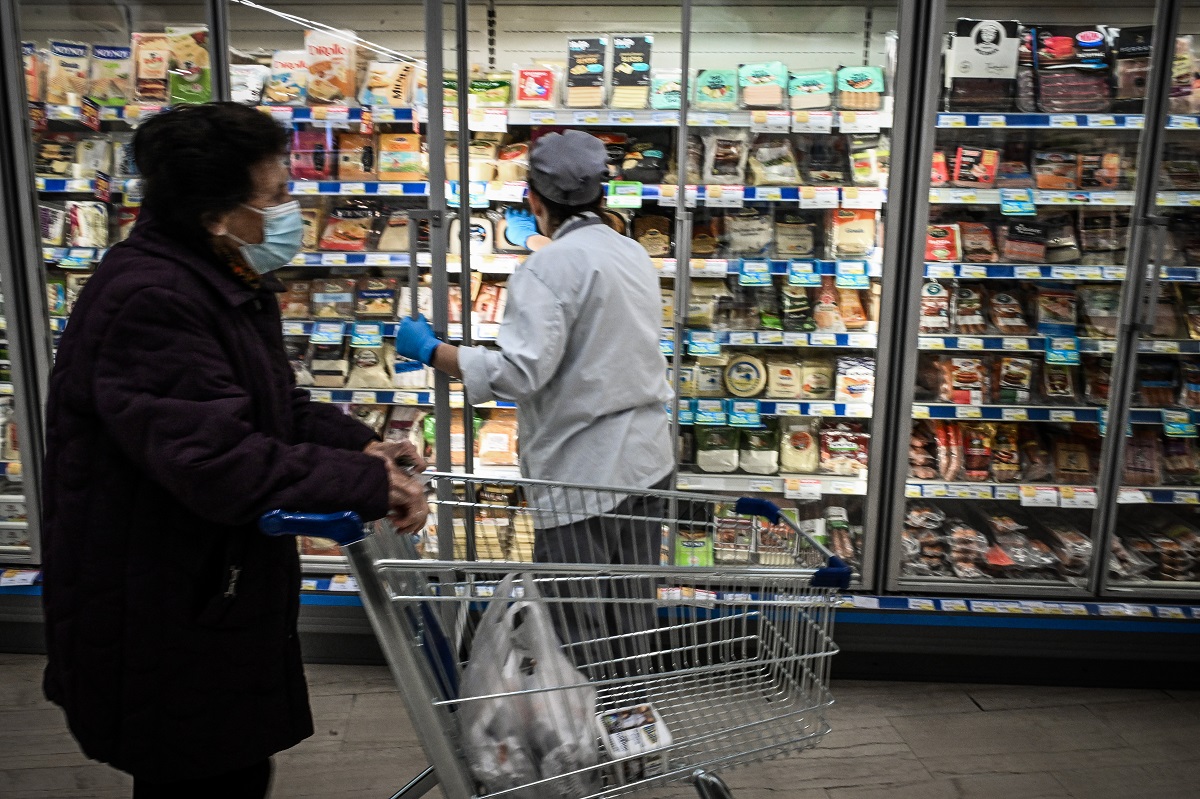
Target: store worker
{"x": 173, "y": 424}
{"x": 579, "y": 353}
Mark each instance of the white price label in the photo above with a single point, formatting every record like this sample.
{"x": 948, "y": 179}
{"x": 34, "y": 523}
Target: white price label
{"x": 1012, "y": 343}
{"x": 935, "y": 491}
{"x": 725, "y": 196}
{"x": 1062, "y": 416}
{"x": 791, "y": 339}
{"x": 768, "y": 194}
{"x": 858, "y": 410}
{"x": 787, "y": 409}
{"x": 859, "y": 121}
{"x": 920, "y": 604}
{"x": 863, "y": 340}
{"x": 1027, "y": 272}
{"x": 1165, "y": 346}
{"x": 319, "y": 395}
{"x": 972, "y": 270}
{"x": 507, "y": 192}
{"x": 306, "y": 187}
{"x": 334, "y": 259}
{"x": 804, "y": 489}
{"x": 621, "y": 117}
{"x": 939, "y": 270}
{"x": 1132, "y": 496}
{"x": 668, "y": 195}
{"x": 488, "y": 120}
{"x": 931, "y": 343}
{"x": 343, "y": 582}
{"x": 963, "y": 196}
{"x": 587, "y": 117}
{"x": 954, "y": 605}
{"x": 1014, "y": 414}
{"x": 1039, "y": 496}
{"x": 354, "y": 188}
{"x": 770, "y": 337}
{"x": 993, "y": 121}
{"x": 968, "y": 412}
{"x": 857, "y": 197}
{"x": 920, "y": 411}
{"x": 1009, "y": 493}
{"x": 1077, "y": 497}
{"x": 293, "y": 329}
{"x": 819, "y": 197}
{"x": 912, "y": 490}
{"x": 741, "y": 338}
{"x": 1063, "y": 121}
{"x": 1101, "y": 121}
{"x": 822, "y": 409}
{"x": 543, "y": 117}
{"x": 665, "y": 118}
{"x": 952, "y": 121}
{"x": 18, "y": 577}
{"x": 1107, "y": 345}
{"x": 965, "y": 343}
{"x": 770, "y": 121}
{"x": 1113, "y": 272}
{"x": 822, "y": 339}
{"x": 364, "y": 398}
{"x": 812, "y": 121}
{"x": 390, "y": 189}
{"x": 1186, "y": 498}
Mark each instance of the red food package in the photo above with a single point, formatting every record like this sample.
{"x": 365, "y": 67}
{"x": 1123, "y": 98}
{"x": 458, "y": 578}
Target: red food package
{"x": 1023, "y": 242}
{"x": 1033, "y": 451}
{"x": 977, "y": 450}
{"x": 978, "y": 243}
{"x": 1006, "y": 454}
{"x": 942, "y": 243}
{"x": 844, "y": 449}
{"x": 347, "y": 229}
{"x": 940, "y": 175}
{"x": 975, "y": 168}
{"x": 964, "y": 381}
{"x": 313, "y": 155}
{"x": 935, "y": 308}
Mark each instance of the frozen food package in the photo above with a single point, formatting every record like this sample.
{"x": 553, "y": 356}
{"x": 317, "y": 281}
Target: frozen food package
{"x": 1073, "y": 70}
{"x": 816, "y": 378}
{"x": 1013, "y": 174}
{"x": 855, "y": 380}
{"x": 853, "y": 231}
{"x": 763, "y": 85}
{"x": 725, "y": 155}
{"x": 963, "y": 381}
{"x": 388, "y": 84}
{"x": 247, "y": 82}
{"x": 1059, "y": 384}
{"x": 716, "y": 90}
{"x": 982, "y": 65}
{"x": 331, "y": 57}
{"x": 295, "y": 301}
{"x": 666, "y": 89}
{"x": 31, "y": 61}
{"x": 287, "y": 83}
{"x": 812, "y": 89}
{"x": 311, "y": 217}
{"x": 631, "y": 71}
{"x": 112, "y": 75}
{"x": 67, "y": 73}
{"x": 88, "y": 224}
{"x": 943, "y": 243}
{"x": 860, "y": 88}
{"x": 56, "y": 296}
{"x": 1013, "y": 380}
{"x": 772, "y": 162}
{"x": 400, "y": 158}
{"x": 795, "y": 234}
{"x": 1131, "y": 67}
{"x": 53, "y": 223}
{"x": 759, "y": 452}
{"x": 716, "y": 449}
{"x": 978, "y": 244}
{"x": 355, "y": 156}
{"x": 1056, "y": 311}
{"x": 975, "y": 167}
{"x": 535, "y": 87}
{"x": 333, "y": 298}
{"x": 376, "y": 297}
{"x": 152, "y": 60}
{"x": 844, "y": 449}
{"x": 1143, "y": 458}
{"x": 189, "y": 79}
{"x": 935, "y": 309}
{"x": 827, "y": 312}
{"x": 748, "y": 232}
{"x": 1099, "y": 307}
{"x": 586, "y": 72}
{"x": 313, "y": 154}
{"x": 1056, "y": 170}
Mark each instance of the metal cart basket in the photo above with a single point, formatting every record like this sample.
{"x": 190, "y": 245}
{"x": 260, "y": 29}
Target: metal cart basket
{"x": 688, "y": 669}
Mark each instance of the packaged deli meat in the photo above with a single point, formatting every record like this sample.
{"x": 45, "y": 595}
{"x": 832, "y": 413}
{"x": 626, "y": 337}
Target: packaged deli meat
{"x": 798, "y": 447}
{"x": 1007, "y": 314}
{"x": 968, "y": 309}
{"x": 940, "y": 171}
{"x": 1056, "y": 170}
{"x": 1097, "y": 374}
{"x": 1157, "y": 382}
{"x": 860, "y": 88}
{"x": 949, "y": 441}
{"x": 1058, "y": 384}
{"x": 1143, "y": 458}
{"x": 1098, "y": 171}
{"x": 1035, "y": 457}
{"x": 975, "y": 167}
{"x": 1189, "y": 383}
{"x": 964, "y": 381}
{"x": 982, "y": 65}
{"x": 978, "y": 440}
{"x": 1013, "y": 380}
{"x": 1183, "y": 68}
{"x": 1022, "y": 242}
{"x": 943, "y": 243}
{"x": 1072, "y": 65}
{"x": 1056, "y": 311}
{"x": 1014, "y": 174}
{"x": 1099, "y": 307}
{"x": 844, "y": 449}
{"x": 1006, "y": 454}
{"x": 1131, "y": 68}
{"x": 978, "y": 244}
{"x": 1181, "y": 461}
{"x": 935, "y": 309}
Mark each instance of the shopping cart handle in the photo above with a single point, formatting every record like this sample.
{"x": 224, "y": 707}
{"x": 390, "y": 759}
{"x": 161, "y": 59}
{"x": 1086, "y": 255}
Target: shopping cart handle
{"x": 836, "y": 575}
{"x": 753, "y": 506}
{"x": 345, "y": 527}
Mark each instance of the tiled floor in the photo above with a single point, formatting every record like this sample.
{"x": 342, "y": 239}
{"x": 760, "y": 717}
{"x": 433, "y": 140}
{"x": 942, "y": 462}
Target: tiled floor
{"x": 890, "y": 741}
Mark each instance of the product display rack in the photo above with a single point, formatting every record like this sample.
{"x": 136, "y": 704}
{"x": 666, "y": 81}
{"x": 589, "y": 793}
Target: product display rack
{"x": 877, "y": 495}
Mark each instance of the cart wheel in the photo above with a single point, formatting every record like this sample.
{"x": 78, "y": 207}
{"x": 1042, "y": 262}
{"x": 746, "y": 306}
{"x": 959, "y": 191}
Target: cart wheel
{"x": 710, "y": 786}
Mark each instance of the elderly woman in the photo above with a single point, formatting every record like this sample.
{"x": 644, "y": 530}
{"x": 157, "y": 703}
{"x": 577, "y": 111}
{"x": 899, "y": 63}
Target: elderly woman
{"x": 173, "y": 424}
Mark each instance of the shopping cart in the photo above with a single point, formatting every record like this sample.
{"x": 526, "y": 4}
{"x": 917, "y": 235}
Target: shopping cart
{"x": 688, "y": 669}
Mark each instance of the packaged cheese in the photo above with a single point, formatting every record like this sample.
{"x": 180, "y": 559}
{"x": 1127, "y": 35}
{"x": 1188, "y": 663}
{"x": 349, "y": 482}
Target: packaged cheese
{"x": 666, "y": 90}
{"x": 631, "y": 71}
{"x": 498, "y": 439}
{"x": 246, "y": 83}
{"x": 388, "y": 85}
{"x": 312, "y": 155}
{"x": 356, "y": 156}
{"x": 853, "y": 233}
{"x": 763, "y": 85}
{"x": 32, "y": 63}
{"x": 855, "y": 380}
{"x": 331, "y": 58}
{"x": 400, "y": 157}
{"x": 67, "y": 73}
{"x": 112, "y": 75}
{"x": 716, "y": 90}
{"x": 745, "y": 376}
{"x": 586, "y": 72}
{"x": 152, "y": 59}
{"x": 798, "y": 449}
{"x": 288, "y": 82}
{"x": 190, "y": 77}
{"x": 860, "y": 88}
{"x": 783, "y": 378}
{"x": 535, "y": 87}
{"x": 811, "y": 90}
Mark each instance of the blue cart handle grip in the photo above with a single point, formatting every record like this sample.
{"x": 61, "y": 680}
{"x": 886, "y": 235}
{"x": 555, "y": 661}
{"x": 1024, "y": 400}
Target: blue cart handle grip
{"x": 345, "y": 527}
{"x": 753, "y": 506}
{"x": 835, "y": 575}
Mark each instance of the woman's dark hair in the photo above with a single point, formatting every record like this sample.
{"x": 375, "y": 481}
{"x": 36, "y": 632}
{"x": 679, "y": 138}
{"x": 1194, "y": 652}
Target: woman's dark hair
{"x": 559, "y": 213}
{"x": 195, "y": 163}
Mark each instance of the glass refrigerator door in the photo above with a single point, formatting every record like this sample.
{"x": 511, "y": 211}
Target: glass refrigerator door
{"x": 1014, "y": 320}
{"x": 1155, "y": 547}
{"x": 786, "y": 167}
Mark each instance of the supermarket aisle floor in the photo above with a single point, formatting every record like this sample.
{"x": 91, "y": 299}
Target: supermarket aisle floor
{"x": 891, "y": 741}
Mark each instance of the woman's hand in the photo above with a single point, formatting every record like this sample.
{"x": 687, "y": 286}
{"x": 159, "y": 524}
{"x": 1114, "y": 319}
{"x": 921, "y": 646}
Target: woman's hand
{"x": 401, "y": 453}
{"x": 406, "y": 492}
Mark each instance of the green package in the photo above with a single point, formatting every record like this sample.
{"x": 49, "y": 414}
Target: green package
{"x": 190, "y": 76}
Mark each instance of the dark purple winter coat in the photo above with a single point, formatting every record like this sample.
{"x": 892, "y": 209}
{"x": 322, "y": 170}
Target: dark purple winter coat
{"x": 173, "y": 424}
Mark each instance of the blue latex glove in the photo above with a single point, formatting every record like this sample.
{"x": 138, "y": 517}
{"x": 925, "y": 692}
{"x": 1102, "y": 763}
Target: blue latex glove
{"x": 519, "y": 225}
{"x": 415, "y": 340}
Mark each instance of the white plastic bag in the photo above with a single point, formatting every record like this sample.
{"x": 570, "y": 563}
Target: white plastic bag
{"x": 516, "y": 740}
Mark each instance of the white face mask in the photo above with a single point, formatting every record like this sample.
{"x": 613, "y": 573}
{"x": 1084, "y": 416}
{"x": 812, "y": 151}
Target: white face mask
{"x": 283, "y": 233}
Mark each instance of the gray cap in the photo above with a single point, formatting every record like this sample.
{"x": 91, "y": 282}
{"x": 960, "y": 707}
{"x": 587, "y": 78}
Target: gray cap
{"x": 568, "y": 168}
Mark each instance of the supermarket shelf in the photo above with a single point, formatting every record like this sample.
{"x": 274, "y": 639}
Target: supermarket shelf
{"x": 488, "y": 331}
{"x": 369, "y": 188}
{"x": 388, "y": 397}
{"x": 73, "y": 113}
{"x": 800, "y": 269}
{"x": 1043, "y": 413}
{"x": 772, "y": 484}
{"x": 720, "y": 411}
{"x": 75, "y": 186}
{"x": 68, "y": 257}
{"x": 1102, "y": 121}
{"x": 492, "y": 264}
{"x": 779, "y": 338}
{"x": 952, "y": 196}
{"x": 1044, "y": 272}
{"x": 1038, "y": 344}
{"x": 1039, "y": 495}
{"x": 1178, "y": 199}
{"x": 783, "y": 121}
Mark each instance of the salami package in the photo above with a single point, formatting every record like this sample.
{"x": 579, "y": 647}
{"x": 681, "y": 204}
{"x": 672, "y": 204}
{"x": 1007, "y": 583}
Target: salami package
{"x": 725, "y": 154}
{"x": 1058, "y": 384}
{"x": 1056, "y": 311}
{"x": 1157, "y": 382}
{"x": 981, "y": 65}
{"x": 978, "y": 244}
{"x": 1026, "y": 100}
{"x": 1006, "y": 454}
{"x": 1131, "y": 68}
{"x": 1023, "y": 242}
{"x": 975, "y": 168}
{"x": 1072, "y": 69}
{"x": 943, "y": 243}
{"x": 935, "y": 309}
{"x": 1073, "y": 464}
{"x": 1097, "y": 375}
{"x": 1035, "y": 458}
{"x": 1013, "y": 174}
{"x": 844, "y": 449}
{"x": 1013, "y": 380}
{"x": 1007, "y": 314}
{"x": 1098, "y": 171}
{"x": 964, "y": 381}
{"x": 1099, "y": 307}
{"x": 978, "y": 440}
